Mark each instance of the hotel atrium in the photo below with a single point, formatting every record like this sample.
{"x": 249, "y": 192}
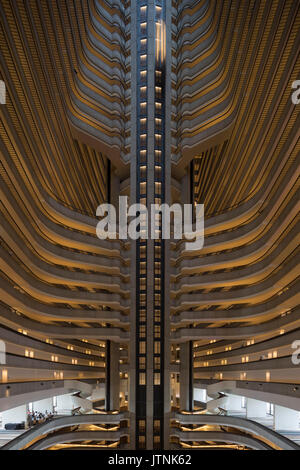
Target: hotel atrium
{"x": 144, "y": 344}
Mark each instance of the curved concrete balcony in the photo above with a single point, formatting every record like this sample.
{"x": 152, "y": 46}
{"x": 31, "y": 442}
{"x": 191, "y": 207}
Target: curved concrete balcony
{"x": 266, "y": 311}
{"x": 195, "y": 99}
{"x": 68, "y": 217}
{"x": 193, "y": 81}
{"x": 20, "y": 393}
{"x": 17, "y": 343}
{"x": 111, "y": 436}
{"x": 54, "y": 275}
{"x": 71, "y": 90}
{"x": 21, "y": 362}
{"x": 215, "y": 436}
{"x": 253, "y": 223}
{"x": 112, "y": 260}
{"x": 98, "y": 10}
{"x": 240, "y": 423}
{"x": 54, "y": 210}
{"x": 250, "y": 274}
{"x": 57, "y": 254}
{"x": 240, "y": 332}
{"x": 111, "y": 106}
{"x": 282, "y": 394}
{"x": 60, "y": 274}
{"x": 284, "y": 364}
{"x": 110, "y": 120}
{"x": 201, "y": 119}
{"x": 36, "y": 310}
{"x": 220, "y": 133}
{"x": 202, "y": 13}
{"x": 245, "y": 253}
{"x": 282, "y": 341}
{"x": 256, "y": 293}
{"x": 67, "y": 87}
{"x": 57, "y": 234}
{"x": 63, "y": 220}
{"x": 68, "y": 421}
{"x": 247, "y": 121}
{"x": 193, "y": 49}
{"x": 66, "y": 332}
{"x": 101, "y": 106}
{"x": 50, "y": 293}
{"x": 61, "y": 356}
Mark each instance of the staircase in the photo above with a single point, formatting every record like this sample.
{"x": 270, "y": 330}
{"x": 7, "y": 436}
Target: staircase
{"x": 219, "y": 401}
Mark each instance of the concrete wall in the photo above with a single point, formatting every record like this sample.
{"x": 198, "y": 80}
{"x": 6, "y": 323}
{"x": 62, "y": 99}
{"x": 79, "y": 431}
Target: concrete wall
{"x": 286, "y": 419}
{"x": 14, "y": 415}
{"x": 43, "y": 405}
{"x": 200, "y": 395}
{"x": 65, "y": 403}
{"x": 256, "y": 408}
{"x": 234, "y": 403}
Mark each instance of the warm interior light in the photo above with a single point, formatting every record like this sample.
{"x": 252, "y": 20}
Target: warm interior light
{"x": 4, "y": 375}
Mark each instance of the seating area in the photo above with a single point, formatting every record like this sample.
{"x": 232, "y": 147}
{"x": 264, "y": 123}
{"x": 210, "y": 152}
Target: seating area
{"x": 35, "y": 418}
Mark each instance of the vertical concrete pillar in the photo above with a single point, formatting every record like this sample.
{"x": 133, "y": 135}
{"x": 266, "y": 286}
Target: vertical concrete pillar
{"x": 114, "y": 376}
{"x": 114, "y": 189}
{"x": 286, "y": 419}
{"x": 186, "y": 194}
{"x": 186, "y": 349}
{"x": 186, "y": 380}
{"x": 256, "y": 409}
{"x": 123, "y": 391}
{"x": 112, "y": 399}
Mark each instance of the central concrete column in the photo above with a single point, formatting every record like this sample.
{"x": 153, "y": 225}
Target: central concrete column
{"x": 133, "y": 347}
{"x": 151, "y": 176}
